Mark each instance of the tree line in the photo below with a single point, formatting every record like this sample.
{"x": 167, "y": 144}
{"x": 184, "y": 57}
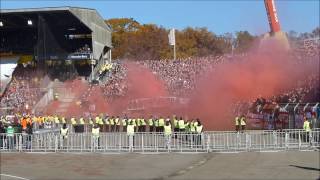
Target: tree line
{"x": 148, "y": 41}
{"x": 133, "y": 40}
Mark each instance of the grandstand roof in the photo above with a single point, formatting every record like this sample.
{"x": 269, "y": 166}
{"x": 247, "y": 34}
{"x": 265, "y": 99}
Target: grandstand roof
{"x": 74, "y": 19}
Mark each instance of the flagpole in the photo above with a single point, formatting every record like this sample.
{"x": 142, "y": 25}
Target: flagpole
{"x": 172, "y": 41}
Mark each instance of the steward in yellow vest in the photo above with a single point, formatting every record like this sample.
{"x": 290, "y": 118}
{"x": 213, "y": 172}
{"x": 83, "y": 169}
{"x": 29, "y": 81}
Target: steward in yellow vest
{"x": 124, "y": 123}
{"x": 96, "y": 134}
{"x": 151, "y": 124}
{"x": 237, "y": 123}
{"x": 64, "y": 131}
{"x": 161, "y": 124}
{"x": 243, "y": 123}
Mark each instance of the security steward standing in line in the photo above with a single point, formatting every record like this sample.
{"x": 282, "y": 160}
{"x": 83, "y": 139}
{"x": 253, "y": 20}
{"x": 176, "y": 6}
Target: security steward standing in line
{"x": 161, "y": 124}
{"x": 193, "y": 130}
{"x": 142, "y": 125}
{"x": 64, "y": 131}
{"x": 101, "y": 124}
{"x": 167, "y": 133}
{"x": 74, "y": 124}
{"x": 199, "y": 129}
{"x": 112, "y": 124}
{"x": 96, "y": 134}
{"x": 107, "y": 122}
{"x": 63, "y": 120}
{"x": 10, "y": 137}
{"x": 130, "y": 134}
{"x": 81, "y": 125}
{"x": 181, "y": 125}
{"x": 243, "y": 123}
{"x": 56, "y": 121}
{"x": 237, "y": 123}
{"x": 151, "y": 124}
{"x": 117, "y": 124}
{"x": 124, "y": 124}
{"x": 175, "y": 122}
{"x": 307, "y": 129}
{"x": 156, "y": 125}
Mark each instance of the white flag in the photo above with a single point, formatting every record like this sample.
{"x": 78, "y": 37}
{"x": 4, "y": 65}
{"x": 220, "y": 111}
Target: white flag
{"x": 172, "y": 38}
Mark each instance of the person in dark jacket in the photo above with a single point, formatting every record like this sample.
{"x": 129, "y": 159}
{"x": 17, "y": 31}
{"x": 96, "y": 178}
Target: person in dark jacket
{"x": 29, "y": 132}
{"x": 2, "y": 136}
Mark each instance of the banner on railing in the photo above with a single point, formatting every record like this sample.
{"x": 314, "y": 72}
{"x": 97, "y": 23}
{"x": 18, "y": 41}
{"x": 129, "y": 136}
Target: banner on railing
{"x": 255, "y": 121}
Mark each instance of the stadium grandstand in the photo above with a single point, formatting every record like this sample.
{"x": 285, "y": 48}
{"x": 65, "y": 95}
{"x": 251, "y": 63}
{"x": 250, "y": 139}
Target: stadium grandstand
{"x": 50, "y": 63}
{"x": 39, "y": 36}
{"x": 36, "y": 43}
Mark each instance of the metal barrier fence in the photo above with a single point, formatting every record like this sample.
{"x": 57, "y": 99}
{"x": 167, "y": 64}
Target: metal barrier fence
{"x": 158, "y": 142}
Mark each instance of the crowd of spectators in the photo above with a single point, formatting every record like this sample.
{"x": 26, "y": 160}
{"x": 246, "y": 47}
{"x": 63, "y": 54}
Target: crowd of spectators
{"x": 307, "y": 48}
{"x": 23, "y": 92}
{"x": 305, "y": 91}
{"x": 84, "y": 49}
{"x": 180, "y": 75}
{"x": 180, "y": 78}
{"x": 115, "y": 85}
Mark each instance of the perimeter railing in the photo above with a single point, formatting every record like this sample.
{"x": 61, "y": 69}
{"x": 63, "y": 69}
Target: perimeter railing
{"x": 150, "y": 142}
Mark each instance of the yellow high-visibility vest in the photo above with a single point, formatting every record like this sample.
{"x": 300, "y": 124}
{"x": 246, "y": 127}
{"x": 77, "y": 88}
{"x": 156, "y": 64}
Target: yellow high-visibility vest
{"x": 199, "y": 129}
{"x": 97, "y": 119}
{"x": 73, "y": 121}
{"x": 150, "y": 122}
{"x": 236, "y": 121}
{"x": 161, "y": 122}
{"x": 175, "y": 122}
{"x": 242, "y": 121}
{"x": 95, "y": 132}
{"x": 181, "y": 124}
{"x": 64, "y": 132}
{"x": 100, "y": 122}
{"x": 117, "y": 121}
{"x": 142, "y": 122}
{"x": 130, "y": 130}
{"x": 306, "y": 126}
{"x": 56, "y": 120}
{"x": 192, "y": 127}
{"x": 81, "y": 121}
{"x": 111, "y": 121}
{"x": 124, "y": 122}
{"x": 63, "y": 120}
{"x": 167, "y": 130}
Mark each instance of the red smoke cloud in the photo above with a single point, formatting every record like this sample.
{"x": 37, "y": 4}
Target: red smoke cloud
{"x": 243, "y": 78}
{"x": 142, "y": 83}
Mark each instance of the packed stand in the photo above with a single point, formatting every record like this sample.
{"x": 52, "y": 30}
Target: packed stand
{"x": 115, "y": 84}
{"x": 23, "y": 92}
{"x": 85, "y": 49}
{"x": 181, "y": 75}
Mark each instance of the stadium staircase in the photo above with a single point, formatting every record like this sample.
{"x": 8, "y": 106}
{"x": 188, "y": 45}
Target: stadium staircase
{"x": 65, "y": 98}
{"x": 96, "y": 69}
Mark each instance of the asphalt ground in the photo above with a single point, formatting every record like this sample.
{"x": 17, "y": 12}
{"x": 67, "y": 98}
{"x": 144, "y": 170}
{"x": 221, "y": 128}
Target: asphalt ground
{"x": 298, "y": 165}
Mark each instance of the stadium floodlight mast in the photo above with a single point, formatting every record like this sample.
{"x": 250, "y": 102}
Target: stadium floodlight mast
{"x": 92, "y": 67}
{"x": 29, "y": 22}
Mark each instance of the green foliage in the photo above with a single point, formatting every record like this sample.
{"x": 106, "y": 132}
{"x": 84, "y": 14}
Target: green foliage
{"x": 148, "y": 41}
{"x": 244, "y": 41}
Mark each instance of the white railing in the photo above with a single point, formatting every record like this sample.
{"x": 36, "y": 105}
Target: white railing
{"x": 158, "y": 142}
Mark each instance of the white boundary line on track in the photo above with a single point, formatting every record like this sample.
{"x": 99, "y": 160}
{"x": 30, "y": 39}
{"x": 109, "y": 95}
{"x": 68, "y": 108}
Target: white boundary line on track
{"x": 17, "y": 177}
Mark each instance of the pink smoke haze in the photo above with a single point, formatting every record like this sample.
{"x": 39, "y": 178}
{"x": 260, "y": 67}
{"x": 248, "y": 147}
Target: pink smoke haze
{"x": 240, "y": 79}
